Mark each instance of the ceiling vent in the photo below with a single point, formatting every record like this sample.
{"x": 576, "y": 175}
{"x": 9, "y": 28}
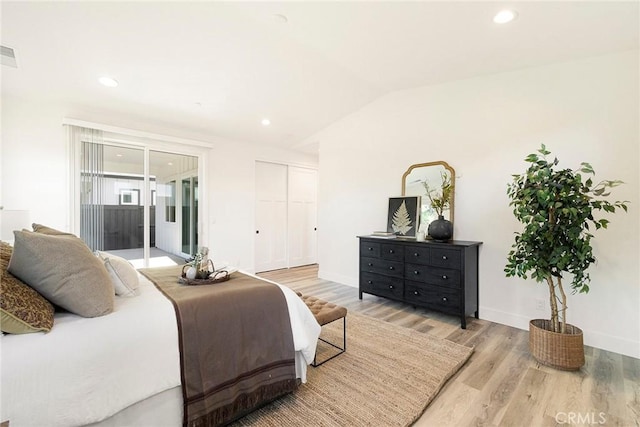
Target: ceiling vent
{"x": 8, "y": 57}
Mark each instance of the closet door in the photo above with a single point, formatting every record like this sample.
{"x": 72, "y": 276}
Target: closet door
{"x": 271, "y": 216}
{"x": 302, "y": 216}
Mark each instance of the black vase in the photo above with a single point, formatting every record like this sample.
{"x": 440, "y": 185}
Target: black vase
{"x": 441, "y": 229}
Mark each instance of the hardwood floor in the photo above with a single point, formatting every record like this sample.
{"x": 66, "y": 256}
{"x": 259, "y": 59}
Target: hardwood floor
{"x": 501, "y": 384}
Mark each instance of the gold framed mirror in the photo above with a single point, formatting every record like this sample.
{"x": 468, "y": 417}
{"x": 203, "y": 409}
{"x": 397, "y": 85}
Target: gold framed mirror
{"x": 432, "y": 173}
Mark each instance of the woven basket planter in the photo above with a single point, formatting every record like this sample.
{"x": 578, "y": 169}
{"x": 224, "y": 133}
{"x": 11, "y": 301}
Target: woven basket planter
{"x": 560, "y": 351}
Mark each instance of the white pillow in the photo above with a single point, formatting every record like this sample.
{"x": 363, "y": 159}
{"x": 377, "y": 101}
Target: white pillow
{"x": 123, "y": 275}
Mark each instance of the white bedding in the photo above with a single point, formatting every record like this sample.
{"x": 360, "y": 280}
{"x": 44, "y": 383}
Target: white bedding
{"x": 86, "y": 370}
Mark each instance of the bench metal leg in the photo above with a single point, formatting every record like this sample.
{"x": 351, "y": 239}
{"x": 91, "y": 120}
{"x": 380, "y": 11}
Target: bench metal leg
{"x": 342, "y": 349}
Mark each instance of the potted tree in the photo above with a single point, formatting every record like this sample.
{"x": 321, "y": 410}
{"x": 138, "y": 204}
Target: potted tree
{"x": 556, "y": 207}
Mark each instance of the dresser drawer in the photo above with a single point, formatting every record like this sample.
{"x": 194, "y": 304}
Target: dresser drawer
{"x": 382, "y": 266}
{"x": 437, "y": 276}
{"x": 381, "y": 285}
{"x": 370, "y": 249}
{"x": 417, "y": 255}
{"x": 436, "y": 297}
{"x": 433, "y": 275}
{"x": 392, "y": 252}
{"x": 448, "y": 258}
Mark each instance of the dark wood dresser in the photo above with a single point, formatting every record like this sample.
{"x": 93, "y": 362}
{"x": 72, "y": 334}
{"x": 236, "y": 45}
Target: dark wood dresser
{"x": 437, "y": 276}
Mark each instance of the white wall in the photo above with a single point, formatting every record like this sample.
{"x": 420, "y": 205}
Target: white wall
{"x": 232, "y": 192}
{"x": 484, "y": 127}
{"x": 35, "y": 167}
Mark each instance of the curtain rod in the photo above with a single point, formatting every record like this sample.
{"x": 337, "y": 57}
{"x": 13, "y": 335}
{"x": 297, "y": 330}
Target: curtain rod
{"x": 136, "y": 133}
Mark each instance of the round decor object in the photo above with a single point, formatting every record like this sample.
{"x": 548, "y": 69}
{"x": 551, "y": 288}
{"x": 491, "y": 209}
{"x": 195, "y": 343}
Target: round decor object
{"x": 440, "y": 230}
{"x": 560, "y": 351}
{"x": 191, "y": 273}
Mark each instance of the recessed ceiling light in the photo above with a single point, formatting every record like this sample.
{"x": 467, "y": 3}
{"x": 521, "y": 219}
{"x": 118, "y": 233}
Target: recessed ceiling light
{"x": 266, "y": 122}
{"x": 170, "y": 164}
{"x": 118, "y": 155}
{"x": 108, "y": 81}
{"x": 504, "y": 16}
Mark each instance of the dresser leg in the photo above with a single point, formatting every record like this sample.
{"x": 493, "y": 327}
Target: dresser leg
{"x": 360, "y": 294}
{"x": 463, "y": 322}
{"x": 477, "y": 317}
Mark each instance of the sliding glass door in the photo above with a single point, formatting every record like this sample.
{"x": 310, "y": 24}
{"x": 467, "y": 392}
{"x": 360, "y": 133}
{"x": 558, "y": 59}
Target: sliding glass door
{"x": 176, "y": 218}
{"x": 190, "y": 215}
{"x": 135, "y": 202}
{"x": 112, "y": 197}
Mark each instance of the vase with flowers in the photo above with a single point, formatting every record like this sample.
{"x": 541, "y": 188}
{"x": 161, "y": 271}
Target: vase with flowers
{"x": 440, "y": 229}
{"x": 200, "y": 267}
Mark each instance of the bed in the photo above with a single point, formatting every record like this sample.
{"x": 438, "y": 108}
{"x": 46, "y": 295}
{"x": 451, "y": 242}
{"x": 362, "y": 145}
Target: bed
{"x": 115, "y": 370}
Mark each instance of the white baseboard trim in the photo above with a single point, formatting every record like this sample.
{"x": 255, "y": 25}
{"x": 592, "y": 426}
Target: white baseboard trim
{"x": 599, "y": 340}
{"x": 339, "y": 278}
{"x": 504, "y": 318}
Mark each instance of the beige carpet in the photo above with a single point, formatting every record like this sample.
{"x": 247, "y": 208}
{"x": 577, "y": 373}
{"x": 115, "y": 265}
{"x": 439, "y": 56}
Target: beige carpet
{"x": 387, "y": 377}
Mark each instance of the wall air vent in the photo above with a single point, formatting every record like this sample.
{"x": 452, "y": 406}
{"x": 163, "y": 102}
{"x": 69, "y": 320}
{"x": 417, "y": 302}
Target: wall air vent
{"x": 8, "y": 57}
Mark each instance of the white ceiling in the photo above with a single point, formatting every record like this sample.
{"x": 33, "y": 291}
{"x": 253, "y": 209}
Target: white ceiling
{"x": 215, "y": 69}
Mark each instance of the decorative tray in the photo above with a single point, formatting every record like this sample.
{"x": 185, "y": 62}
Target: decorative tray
{"x": 215, "y": 277}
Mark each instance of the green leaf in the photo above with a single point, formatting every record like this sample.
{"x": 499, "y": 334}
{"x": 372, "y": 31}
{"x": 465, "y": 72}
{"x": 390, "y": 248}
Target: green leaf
{"x": 586, "y": 168}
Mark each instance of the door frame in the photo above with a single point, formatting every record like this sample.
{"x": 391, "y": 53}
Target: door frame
{"x": 146, "y": 141}
{"x": 288, "y": 166}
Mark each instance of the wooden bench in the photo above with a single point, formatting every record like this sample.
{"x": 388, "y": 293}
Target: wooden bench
{"x": 325, "y": 313}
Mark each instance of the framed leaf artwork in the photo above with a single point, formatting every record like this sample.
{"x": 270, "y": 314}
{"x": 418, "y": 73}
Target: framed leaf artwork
{"x": 403, "y": 216}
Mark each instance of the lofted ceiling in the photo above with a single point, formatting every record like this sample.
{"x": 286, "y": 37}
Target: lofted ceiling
{"x": 208, "y": 70}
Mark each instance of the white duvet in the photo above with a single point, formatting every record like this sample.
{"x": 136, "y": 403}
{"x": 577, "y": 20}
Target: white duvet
{"x": 86, "y": 370}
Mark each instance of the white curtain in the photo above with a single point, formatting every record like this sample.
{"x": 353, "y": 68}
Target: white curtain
{"x": 91, "y": 165}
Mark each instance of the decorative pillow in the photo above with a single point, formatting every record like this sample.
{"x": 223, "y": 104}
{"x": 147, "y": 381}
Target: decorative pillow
{"x": 39, "y": 228}
{"x": 22, "y": 310}
{"x": 123, "y": 275}
{"x": 63, "y": 269}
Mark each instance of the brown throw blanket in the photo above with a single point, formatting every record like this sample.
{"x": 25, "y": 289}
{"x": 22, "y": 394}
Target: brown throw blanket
{"x": 236, "y": 345}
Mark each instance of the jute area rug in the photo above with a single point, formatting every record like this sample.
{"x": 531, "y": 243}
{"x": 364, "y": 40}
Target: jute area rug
{"x": 387, "y": 377}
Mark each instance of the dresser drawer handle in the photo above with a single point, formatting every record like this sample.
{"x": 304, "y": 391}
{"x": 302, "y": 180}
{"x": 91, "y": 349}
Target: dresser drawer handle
{"x": 416, "y": 272}
{"x": 416, "y": 293}
{"x": 444, "y": 257}
{"x": 391, "y": 286}
{"x": 391, "y": 268}
{"x": 370, "y": 264}
{"x": 416, "y": 254}
{"x": 370, "y": 248}
{"x": 444, "y": 277}
{"x": 370, "y": 282}
{"x": 390, "y": 251}
{"x": 444, "y": 299}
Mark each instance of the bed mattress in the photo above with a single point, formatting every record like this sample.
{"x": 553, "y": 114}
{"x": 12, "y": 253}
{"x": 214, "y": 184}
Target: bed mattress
{"x": 86, "y": 370}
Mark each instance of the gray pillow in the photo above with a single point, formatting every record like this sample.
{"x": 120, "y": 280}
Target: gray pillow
{"x": 63, "y": 269}
{"x": 39, "y": 228}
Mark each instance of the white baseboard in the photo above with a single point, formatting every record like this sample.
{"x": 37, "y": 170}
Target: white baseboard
{"x": 338, "y": 278}
{"x": 594, "y": 339}
{"x": 599, "y": 340}
{"x": 504, "y": 318}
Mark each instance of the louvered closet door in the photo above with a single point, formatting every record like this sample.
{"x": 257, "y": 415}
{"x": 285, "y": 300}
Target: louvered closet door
{"x": 271, "y": 216}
